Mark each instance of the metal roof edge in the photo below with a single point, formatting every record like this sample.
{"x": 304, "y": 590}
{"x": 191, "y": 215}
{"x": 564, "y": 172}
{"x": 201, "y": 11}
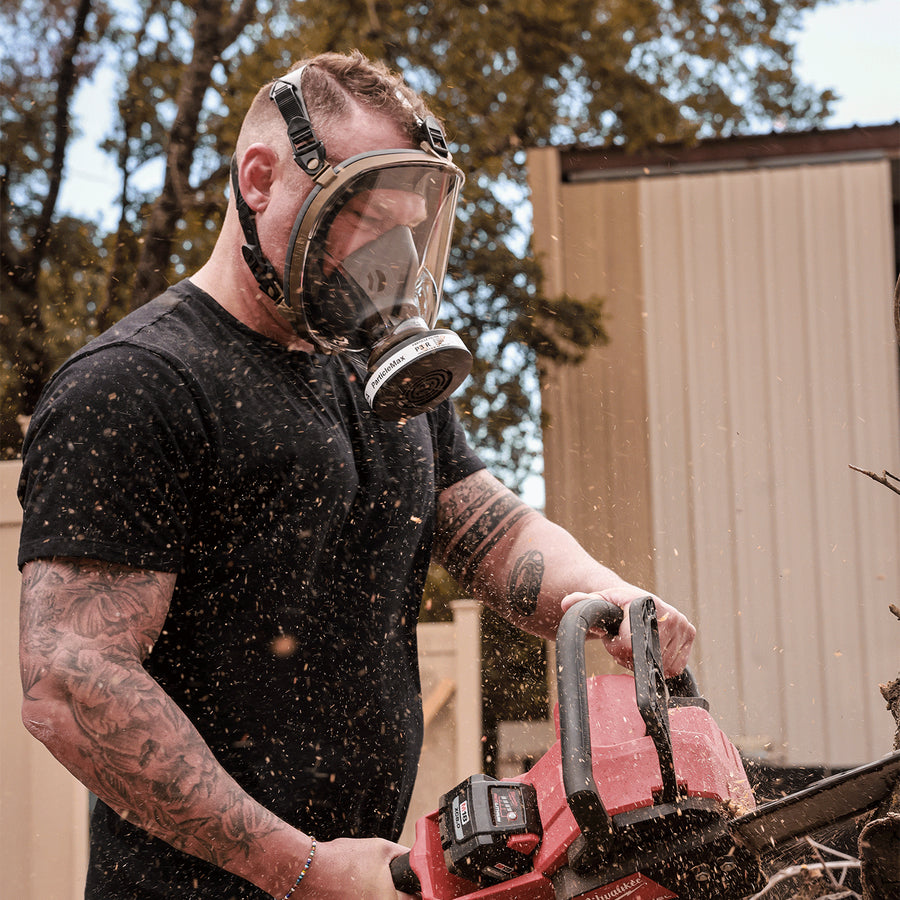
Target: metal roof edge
{"x": 859, "y": 143}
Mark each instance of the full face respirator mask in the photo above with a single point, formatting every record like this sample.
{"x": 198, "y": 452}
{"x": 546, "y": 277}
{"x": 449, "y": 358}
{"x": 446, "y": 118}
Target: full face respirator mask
{"x": 367, "y": 258}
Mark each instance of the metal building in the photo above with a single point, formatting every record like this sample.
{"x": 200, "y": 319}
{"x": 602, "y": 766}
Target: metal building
{"x": 704, "y": 451}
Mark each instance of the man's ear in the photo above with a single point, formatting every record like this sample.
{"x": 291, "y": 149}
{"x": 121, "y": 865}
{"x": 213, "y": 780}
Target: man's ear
{"x": 256, "y": 175}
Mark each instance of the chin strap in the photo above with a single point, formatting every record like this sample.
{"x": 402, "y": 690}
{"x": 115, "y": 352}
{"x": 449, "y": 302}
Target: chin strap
{"x": 263, "y": 271}
{"x": 261, "y": 268}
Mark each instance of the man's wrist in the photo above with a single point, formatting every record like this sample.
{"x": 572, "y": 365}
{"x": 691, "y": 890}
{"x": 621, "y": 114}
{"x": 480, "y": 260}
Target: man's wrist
{"x": 304, "y": 870}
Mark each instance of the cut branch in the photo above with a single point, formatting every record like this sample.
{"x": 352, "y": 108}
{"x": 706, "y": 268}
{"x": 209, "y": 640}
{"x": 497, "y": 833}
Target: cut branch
{"x": 885, "y": 478}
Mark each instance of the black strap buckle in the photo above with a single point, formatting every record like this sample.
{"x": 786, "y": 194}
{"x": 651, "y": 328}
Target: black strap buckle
{"x": 434, "y": 135}
{"x": 309, "y": 153}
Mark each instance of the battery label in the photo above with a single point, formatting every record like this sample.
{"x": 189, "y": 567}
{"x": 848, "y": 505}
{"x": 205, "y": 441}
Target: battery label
{"x": 460, "y": 817}
{"x": 506, "y": 805}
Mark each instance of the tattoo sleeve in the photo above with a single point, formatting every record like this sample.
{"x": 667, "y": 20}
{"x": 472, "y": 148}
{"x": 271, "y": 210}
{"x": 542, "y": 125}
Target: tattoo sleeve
{"x": 85, "y": 630}
{"x": 475, "y": 519}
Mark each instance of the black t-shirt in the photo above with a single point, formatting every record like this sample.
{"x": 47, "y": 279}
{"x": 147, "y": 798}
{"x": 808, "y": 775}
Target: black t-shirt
{"x": 300, "y": 528}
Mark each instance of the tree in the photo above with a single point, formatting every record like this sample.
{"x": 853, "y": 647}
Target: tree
{"x": 40, "y": 80}
{"x": 505, "y": 77}
{"x": 214, "y": 29}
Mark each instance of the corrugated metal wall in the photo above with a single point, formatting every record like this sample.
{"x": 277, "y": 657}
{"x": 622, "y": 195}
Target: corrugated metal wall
{"x": 705, "y": 451}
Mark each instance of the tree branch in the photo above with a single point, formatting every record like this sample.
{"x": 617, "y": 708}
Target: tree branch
{"x": 237, "y": 23}
{"x": 66, "y": 81}
{"x": 884, "y": 478}
{"x": 210, "y": 39}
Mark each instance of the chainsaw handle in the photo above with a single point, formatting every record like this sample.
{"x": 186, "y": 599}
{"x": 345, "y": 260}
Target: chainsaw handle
{"x": 684, "y": 685}
{"x": 405, "y": 879}
{"x": 582, "y": 793}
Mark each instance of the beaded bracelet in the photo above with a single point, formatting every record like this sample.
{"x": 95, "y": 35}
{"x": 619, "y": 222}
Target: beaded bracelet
{"x": 304, "y": 870}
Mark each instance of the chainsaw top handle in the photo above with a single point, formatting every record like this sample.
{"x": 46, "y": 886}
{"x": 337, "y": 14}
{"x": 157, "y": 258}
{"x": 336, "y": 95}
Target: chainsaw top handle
{"x": 652, "y": 694}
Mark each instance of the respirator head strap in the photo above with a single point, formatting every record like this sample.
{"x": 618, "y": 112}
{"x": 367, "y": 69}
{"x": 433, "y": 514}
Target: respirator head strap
{"x": 262, "y": 269}
{"x": 309, "y": 152}
{"x": 434, "y": 137}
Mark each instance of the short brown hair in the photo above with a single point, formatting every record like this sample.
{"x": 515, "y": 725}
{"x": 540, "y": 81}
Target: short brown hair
{"x": 332, "y": 82}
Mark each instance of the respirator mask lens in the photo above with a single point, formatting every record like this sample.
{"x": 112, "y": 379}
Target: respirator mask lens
{"x": 365, "y": 269}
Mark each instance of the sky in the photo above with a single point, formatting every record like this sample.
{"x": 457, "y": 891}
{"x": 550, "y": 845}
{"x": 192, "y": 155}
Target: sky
{"x": 850, "y": 46}
{"x": 853, "y": 47}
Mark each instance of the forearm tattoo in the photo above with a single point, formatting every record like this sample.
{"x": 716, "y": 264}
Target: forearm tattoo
{"x": 85, "y": 628}
{"x": 65, "y": 603}
{"x": 479, "y": 515}
{"x": 482, "y": 535}
{"x": 524, "y": 583}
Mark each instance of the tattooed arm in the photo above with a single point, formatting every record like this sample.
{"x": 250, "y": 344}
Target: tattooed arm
{"x": 530, "y": 570}
{"x": 86, "y": 627}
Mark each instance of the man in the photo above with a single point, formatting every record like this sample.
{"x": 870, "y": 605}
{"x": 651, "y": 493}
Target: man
{"x": 227, "y": 530}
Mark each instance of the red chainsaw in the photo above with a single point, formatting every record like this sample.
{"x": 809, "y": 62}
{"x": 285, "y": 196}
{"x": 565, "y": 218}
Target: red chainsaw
{"x": 641, "y": 797}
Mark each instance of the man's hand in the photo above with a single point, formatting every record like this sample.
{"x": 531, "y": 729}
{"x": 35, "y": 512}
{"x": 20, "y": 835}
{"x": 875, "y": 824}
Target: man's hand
{"x": 358, "y": 868}
{"x": 520, "y": 563}
{"x": 676, "y": 634}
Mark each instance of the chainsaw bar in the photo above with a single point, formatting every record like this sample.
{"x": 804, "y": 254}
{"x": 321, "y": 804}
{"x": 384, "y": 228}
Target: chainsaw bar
{"x": 830, "y": 801}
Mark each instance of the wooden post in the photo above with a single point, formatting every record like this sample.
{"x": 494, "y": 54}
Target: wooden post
{"x": 467, "y": 618}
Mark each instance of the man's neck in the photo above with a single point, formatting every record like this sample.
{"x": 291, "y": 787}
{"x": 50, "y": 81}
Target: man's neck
{"x": 230, "y": 283}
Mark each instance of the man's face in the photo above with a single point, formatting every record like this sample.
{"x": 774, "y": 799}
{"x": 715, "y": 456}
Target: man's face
{"x": 360, "y": 132}
{"x": 367, "y": 216}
